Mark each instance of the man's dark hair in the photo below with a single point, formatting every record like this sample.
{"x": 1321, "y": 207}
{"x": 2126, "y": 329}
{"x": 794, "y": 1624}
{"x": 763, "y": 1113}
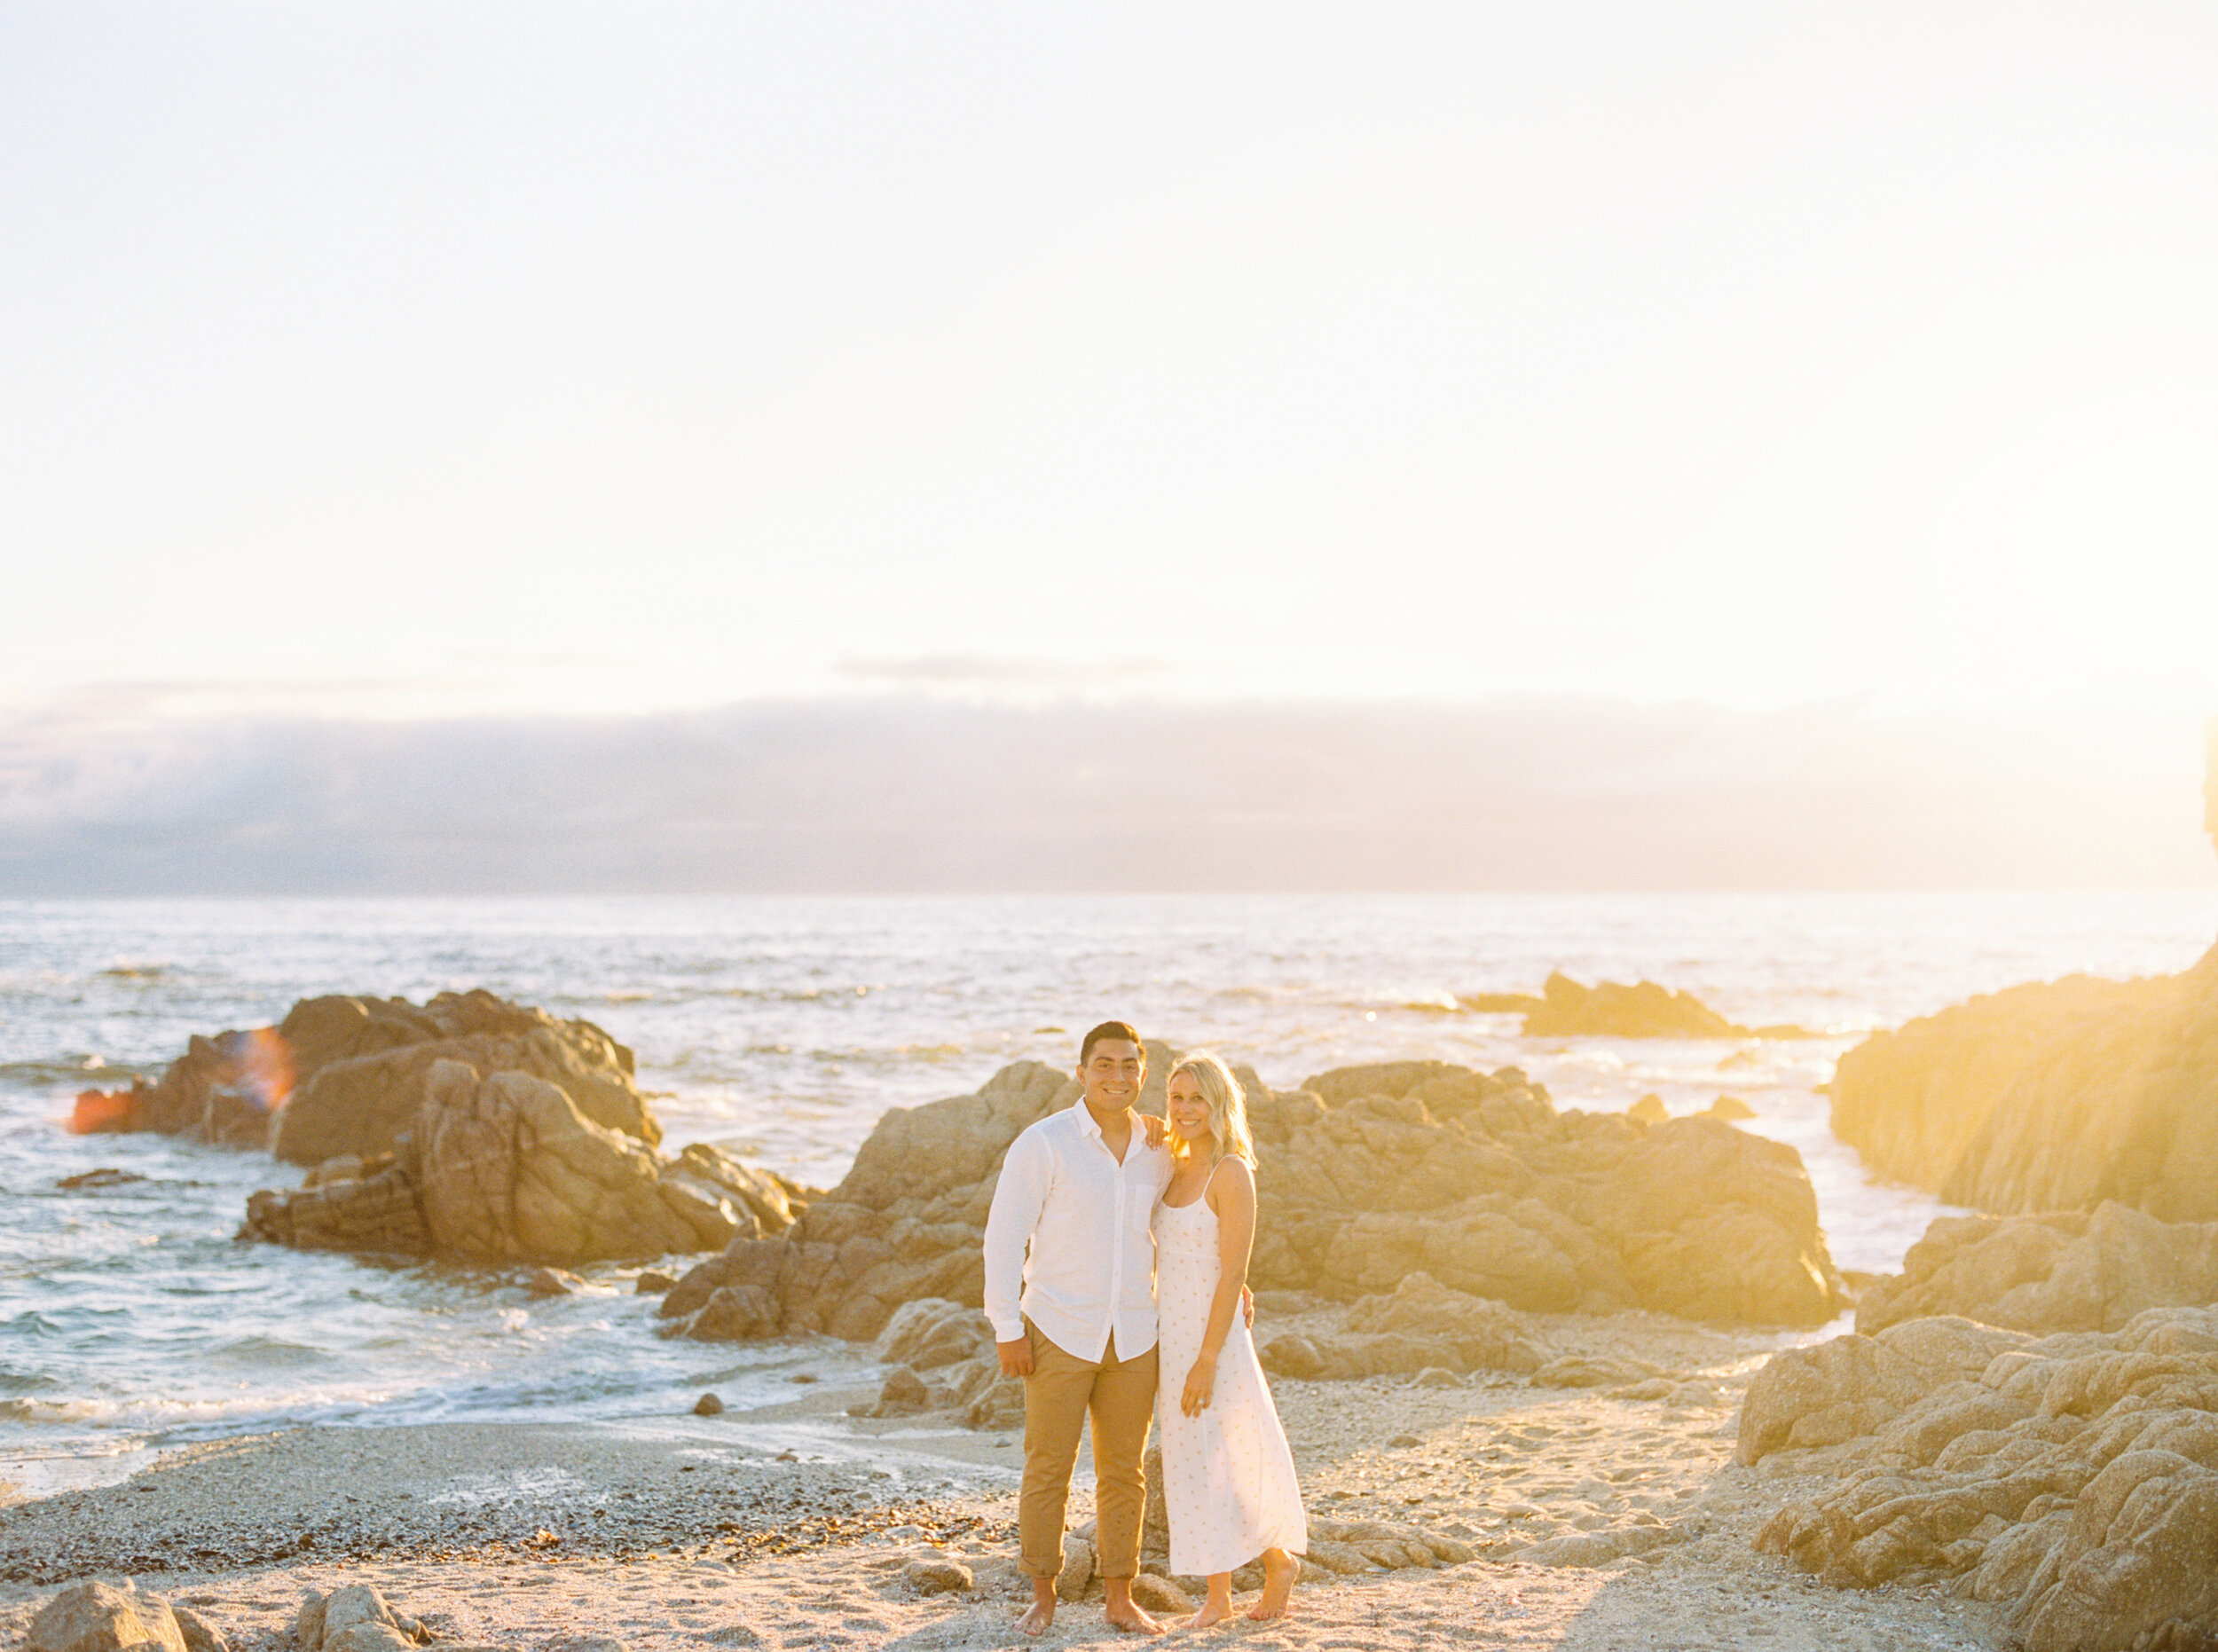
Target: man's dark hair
{"x": 1109, "y": 1029}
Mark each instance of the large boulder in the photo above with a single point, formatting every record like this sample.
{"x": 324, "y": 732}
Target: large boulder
{"x": 2066, "y": 1270}
{"x": 2073, "y": 1479}
{"x": 344, "y": 1074}
{"x": 1367, "y": 1176}
{"x": 505, "y": 1167}
{"x": 2050, "y": 1097}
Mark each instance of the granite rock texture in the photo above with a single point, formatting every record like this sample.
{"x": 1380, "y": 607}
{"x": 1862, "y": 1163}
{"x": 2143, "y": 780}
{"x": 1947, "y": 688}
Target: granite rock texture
{"x": 344, "y": 1074}
{"x": 2067, "y": 1270}
{"x": 2050, "y": 1097}
{"x": 2072, "y": 1479}
{"x": 1367, "y": 1176}
{"x": 505, "y": 1168}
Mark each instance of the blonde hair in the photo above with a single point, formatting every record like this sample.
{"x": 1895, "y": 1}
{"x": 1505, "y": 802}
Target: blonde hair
{"x": 1228, "y": 1106}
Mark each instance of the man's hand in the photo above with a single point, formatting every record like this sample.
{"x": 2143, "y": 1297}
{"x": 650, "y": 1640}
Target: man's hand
{"x": 1247, "y": 1308}
{"x": 1016, "y": 1357}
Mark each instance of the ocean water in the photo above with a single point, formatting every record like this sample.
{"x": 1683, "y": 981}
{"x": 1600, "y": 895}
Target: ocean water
{"x": 131, "y": 1320}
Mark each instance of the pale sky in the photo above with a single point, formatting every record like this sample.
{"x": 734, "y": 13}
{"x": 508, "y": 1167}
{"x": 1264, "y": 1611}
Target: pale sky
{"x": 447, "y": 358}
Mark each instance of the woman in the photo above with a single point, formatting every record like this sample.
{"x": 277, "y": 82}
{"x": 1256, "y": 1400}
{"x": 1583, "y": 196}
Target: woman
{"x": 1228, "y": 1477}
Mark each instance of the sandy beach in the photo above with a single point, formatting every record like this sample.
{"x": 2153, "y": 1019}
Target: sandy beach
{"x": 678, "y": 1531}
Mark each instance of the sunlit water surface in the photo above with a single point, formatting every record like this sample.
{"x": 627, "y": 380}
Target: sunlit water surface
{"x": 132, "y": 1319}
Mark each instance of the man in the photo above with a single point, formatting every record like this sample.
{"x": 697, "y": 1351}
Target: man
{"x": 1079, "y": 1188}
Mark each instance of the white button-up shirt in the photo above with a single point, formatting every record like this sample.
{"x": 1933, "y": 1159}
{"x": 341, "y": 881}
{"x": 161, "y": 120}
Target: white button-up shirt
{"x": 1086, "y": 1217}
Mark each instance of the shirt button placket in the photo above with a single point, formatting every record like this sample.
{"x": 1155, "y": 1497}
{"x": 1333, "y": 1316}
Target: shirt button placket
{"x": 1116, "y": 1256}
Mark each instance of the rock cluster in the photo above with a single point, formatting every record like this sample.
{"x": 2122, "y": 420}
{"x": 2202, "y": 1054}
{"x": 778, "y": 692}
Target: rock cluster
{"x": 941, "y": 1359}
{"x": 354, "y": 1617}
{"x": 1367, "y": 1176}
{"x": 2073, "y": 1478}
{"x": 2048, "y": 1097}
{"x": 506, "y": 1167}
{"x": 1569, "y": 1009}
{"x": 344, "y": 1075}
{"x": 2067, "y": 1270}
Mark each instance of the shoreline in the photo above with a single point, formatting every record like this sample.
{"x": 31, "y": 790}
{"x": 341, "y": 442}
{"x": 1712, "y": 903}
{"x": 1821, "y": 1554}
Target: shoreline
{"x": 673, "y": 1532}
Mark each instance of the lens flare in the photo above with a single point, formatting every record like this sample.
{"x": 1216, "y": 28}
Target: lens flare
{"x": 261, "y": 1068}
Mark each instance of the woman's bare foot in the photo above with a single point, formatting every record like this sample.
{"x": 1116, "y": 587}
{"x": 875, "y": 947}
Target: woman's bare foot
{"x": 1218, "y": 1606}
{"x": 1280, "y": 1570}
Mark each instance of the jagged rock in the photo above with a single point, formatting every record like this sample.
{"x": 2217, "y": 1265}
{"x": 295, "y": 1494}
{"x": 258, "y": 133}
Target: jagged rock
{"x": 343, "y": 1075}
{"x": 1367, "y": 1176}
{"x": 552, "y": 1282}
{"x": 200, "y": 1634}
{"x": 1154, "y": 1593}
{"x": 2067, "y": 1270}
{"x": 1645, "y": 1009}
{"x": 89, "y": 1615}
{"x": 2048, "y": 1097}
{"x": 363, "y": 1064}
{"x": 734, "y": 1313}
{"x": 903, "y": 1391}
{"x": 954, "y": 1344}
{"x": 357, "y": 1618}
{"x": 2073, "y": 1478}
{"x": 652, "y": 1283}
{"x": 372, "y": 1213}
{"x": 1856, "y": 1385}
{"x": 504, "y": 1168}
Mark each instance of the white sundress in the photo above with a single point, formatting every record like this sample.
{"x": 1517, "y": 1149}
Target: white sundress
{"x": 1228, "y": 1476}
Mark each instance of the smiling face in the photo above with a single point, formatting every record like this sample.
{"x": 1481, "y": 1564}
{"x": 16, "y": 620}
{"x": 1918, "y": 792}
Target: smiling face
{"x": 1112, "y": 1075}
{"x": 1188, "y": 1109}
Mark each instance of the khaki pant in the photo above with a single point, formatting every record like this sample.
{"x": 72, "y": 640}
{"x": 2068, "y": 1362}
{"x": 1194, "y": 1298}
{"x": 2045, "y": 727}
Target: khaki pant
{"x": 1060, "y": 1394}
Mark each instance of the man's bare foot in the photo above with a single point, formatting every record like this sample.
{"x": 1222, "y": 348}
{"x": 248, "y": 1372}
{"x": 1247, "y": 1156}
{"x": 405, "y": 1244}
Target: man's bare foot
{"x": 1280, "y": 1570}
{"x": 1129, "y": 1617}
{"x": 1123, "y": 1611}
{"x": 1036, "y": 1621}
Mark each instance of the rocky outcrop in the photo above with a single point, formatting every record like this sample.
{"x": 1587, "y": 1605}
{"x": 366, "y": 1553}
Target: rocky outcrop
{"x": 1567, "y": 1009}
{"x": 2073, "y": 1479}
{"x": 2051, "y": 1096}
{"x": 1367, "y": 1176}
{"x": 942, "y": 1358}
{"x": 344, "y": 1074}
{"x": 2068, "y": 1271}
{"x": 506, "y": 1167}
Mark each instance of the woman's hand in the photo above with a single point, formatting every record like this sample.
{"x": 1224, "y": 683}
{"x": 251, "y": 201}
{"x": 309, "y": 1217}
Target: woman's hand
{"x": 1200, "y": 1381}
{"x": 1158, "y": 1131}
